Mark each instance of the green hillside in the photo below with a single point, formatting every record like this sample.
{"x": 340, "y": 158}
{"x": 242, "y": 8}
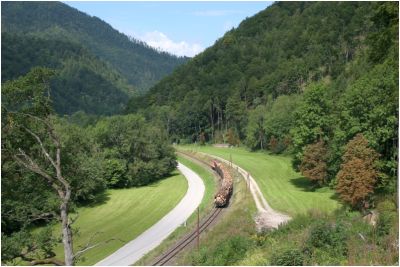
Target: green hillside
{"x": 99, "y": 67}
{"x": 293, "y": 74}
{"x": 82, "y": 82}
{"x": 278, "y": 51}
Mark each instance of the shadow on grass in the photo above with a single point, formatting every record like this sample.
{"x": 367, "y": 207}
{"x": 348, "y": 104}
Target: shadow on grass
{"x": 103, "y": 197}
{"x": 335, "y": 196}
{"x": 303, "y": 183}
{"x": 157, "y": 182}
{"x": 99, "y": 199}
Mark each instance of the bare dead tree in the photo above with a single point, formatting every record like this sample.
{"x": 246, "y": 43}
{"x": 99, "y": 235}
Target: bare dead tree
{"x": 57, "y": 181}
{"x": 90, "y": 245}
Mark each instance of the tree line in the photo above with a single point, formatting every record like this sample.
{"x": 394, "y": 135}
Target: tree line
{"x": 314, "y": 80}
{"x": 51, "y": 166}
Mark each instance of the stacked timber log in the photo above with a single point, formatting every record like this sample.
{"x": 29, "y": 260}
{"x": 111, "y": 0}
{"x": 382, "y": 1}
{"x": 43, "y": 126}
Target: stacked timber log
{"x": 221, "y": 199}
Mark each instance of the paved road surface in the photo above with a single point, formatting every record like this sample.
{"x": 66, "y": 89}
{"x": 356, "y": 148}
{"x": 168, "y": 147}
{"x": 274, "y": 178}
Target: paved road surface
{"x": 152, "y": 237}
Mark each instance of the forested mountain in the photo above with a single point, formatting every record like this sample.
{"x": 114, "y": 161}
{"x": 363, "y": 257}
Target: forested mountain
{"x": 317, "y": 81}
{"x": 278, "y": 51}
{"x": 82, "y": 82}
{"x": 98, "y": 67}
{"x": 294, "y": 74}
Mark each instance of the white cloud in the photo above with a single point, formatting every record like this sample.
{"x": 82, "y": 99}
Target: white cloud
{"x": 161, "y": 41}
{"x": 216, "y": 13}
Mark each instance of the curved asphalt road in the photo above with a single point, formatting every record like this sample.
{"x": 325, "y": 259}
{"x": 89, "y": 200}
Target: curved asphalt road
{"x": 152, "y": 237}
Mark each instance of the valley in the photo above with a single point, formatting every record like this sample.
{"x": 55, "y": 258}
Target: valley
{"x": 277, "y": 145}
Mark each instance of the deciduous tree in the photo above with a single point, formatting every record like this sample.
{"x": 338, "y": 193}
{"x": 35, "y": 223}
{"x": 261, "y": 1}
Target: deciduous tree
{"x": 313, "y": 165}
{"x": 357, "y": 175}
{"x": 255, "y": 130}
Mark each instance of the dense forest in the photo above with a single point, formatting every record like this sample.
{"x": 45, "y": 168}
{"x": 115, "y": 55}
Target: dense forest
{"x": 98, "y": 67}
{"x": 300, "y": 78}
{"x": 41, "y": 149}
{"x": 317, "y": 81}
{"x": 82, "y": 81}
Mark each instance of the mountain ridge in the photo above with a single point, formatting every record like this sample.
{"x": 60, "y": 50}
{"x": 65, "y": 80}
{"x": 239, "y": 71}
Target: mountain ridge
{"x": 134, "y": 65}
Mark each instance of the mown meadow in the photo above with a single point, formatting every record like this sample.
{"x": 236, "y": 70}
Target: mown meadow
{"x": 285, "y": 189}
{"x": 124, "y": 214}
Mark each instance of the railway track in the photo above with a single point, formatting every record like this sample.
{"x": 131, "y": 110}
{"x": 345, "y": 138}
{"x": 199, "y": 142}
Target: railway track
{"x": 166, "y": 257}
{"x": 194, "y": 158}
{"x": 204, "y": 224}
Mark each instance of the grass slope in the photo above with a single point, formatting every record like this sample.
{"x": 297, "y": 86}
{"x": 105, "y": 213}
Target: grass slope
{"x": 284, "y": 189}
{"x": 125, "y": 215}
{"x": 205, "y": 206}
{"x": 235, "y": 223}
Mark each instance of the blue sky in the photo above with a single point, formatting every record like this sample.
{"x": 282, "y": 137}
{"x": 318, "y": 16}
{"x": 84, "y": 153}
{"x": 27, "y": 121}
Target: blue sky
{"x": 181, "y": 28}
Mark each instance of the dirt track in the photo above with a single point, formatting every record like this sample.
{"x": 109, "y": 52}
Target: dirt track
{"x": 266, "y": 217}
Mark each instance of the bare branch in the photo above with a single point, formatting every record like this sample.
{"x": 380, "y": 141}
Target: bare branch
{"x": 41, "y": 146}
{"x": 28, "y": 163}
{"x": 31, "y": 165}
{"x": 34, "y": 262}
{"x": 73, "y": 220}
{"x": 47, "y": 261}
{"x": 59, "y": 183}
{"x": 45, "y": 121}
{"x": 42, "y": 216}
{"x": 31, "y": 116}
{"x": 90, "y": 246}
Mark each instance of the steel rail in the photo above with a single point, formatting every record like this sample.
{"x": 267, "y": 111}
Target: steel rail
{"x": 187, "y": 240}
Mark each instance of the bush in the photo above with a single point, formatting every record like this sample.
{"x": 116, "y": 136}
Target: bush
{"x": 327, "y": 240}
{"x": 288, "y": 257}
{"x": 387, "y": 217}
{"x": 227, "y": 252}
{"x": 327, "y": 235}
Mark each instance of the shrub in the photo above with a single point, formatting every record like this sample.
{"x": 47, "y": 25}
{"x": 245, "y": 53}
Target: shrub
{"x": 288, "y": 257}
{"x": 330, "y": 237}
{"x": 387, "y": 217}
{"x": 227, "y": 252}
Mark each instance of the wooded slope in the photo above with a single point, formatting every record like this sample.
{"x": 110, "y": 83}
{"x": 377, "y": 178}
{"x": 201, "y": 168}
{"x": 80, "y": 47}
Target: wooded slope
{"x": 99, "y": 67}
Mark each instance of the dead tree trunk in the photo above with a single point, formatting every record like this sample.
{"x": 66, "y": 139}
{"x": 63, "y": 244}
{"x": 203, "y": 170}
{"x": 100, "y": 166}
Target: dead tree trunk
{"x": 57, "y": 182}
{"x": 66, "y": 233}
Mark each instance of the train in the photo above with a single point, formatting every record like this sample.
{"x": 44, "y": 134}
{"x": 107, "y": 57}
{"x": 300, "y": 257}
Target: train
{"x": 221, "y": 198}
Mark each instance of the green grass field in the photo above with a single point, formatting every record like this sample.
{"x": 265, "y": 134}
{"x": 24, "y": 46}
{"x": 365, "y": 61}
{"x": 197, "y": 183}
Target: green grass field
{"x": 237, "y": 220}
{"x": 284, "y": 189}
{"x": 205, "y": 206}
{"x": 208, "y": 179}
{"x": 126, "y": 214}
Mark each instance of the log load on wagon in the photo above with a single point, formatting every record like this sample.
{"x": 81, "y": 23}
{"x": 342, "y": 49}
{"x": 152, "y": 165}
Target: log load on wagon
{"x": 221, "y": 199}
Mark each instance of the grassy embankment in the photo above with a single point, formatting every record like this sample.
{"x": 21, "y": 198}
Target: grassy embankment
{"x": 325, "y": 235}
{"x": 124, "y": 215}
{"x": 284, "y": 189}
{"x": 227, "y": 241}
{"x": 205, "y": 206}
